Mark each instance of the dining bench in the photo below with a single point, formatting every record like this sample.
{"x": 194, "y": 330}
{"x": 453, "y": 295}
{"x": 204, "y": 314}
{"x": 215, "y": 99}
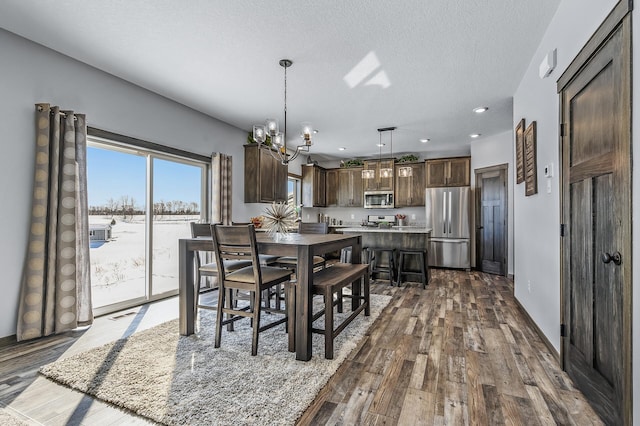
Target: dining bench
{"x": 332, "y": 280}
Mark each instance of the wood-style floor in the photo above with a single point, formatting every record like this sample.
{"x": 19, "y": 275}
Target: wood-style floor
{"x": 459, "y": 352}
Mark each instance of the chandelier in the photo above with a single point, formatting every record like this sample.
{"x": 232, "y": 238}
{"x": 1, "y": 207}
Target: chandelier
{"x": 270, "y": 132}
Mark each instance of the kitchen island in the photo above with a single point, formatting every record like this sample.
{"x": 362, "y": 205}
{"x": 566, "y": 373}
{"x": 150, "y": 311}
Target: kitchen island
{"x": 396, "y": 237}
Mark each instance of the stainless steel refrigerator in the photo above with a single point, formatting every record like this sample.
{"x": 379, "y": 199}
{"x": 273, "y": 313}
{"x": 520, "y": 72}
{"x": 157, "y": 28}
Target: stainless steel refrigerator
{"x": 448, "y": 216}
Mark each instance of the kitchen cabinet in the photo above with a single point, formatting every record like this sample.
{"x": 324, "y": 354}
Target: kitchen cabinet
{"x": 448, "y": 172}
{"x": 410, "y": 190}
{"x": 265, "y": 177}
{"x": 332, "y": 188}
{"x": 350, "y": 191}
{"x": 378, "y": 183}
{"x": 314, "y": 186}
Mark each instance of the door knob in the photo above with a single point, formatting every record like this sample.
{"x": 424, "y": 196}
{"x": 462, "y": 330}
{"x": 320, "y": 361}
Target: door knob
{"x": 615, "y": 257}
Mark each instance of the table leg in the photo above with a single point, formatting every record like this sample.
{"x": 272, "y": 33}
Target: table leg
{"x": 186, "y": 289}
{"x": 356, "y": 257}
{"x": 304, "y": 304}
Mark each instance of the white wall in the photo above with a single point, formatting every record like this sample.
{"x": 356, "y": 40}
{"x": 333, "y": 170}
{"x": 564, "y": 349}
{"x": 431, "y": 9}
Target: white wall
{"x": 30, "y": 73}
{"x": 493, "y": 151}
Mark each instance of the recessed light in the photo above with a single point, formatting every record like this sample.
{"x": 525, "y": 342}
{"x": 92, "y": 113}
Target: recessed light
{"x": 315, "y": 131}
{"x": 480, "y": 110}
{"x": 342, "y": 148}
{"x": 424, "y": 140}
{"x": 475, "y": 135}
{"x": 380, "y": 145}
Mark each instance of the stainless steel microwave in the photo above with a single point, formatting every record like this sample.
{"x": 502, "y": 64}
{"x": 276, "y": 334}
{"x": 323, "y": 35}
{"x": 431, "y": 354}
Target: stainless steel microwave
{"x": 378, "y": 199}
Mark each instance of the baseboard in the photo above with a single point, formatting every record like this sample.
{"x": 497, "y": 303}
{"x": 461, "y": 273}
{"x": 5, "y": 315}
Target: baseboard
{"x": 7, "y": 341}
{"x": 542, "y": 336}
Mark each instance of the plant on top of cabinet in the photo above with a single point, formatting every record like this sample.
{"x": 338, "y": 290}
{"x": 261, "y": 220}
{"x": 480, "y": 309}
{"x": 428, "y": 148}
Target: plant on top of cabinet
{"x": 354, "y": 162}
{"x": 409, "y": 158}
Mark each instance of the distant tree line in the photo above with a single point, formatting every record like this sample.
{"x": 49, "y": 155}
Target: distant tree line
{"x": 125, "y": 206}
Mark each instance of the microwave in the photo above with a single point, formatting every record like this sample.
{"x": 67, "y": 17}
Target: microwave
{"x": 378, "y": 199}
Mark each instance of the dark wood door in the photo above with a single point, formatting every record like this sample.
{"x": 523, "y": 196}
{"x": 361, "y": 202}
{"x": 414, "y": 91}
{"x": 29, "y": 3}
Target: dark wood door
{"x": 596, "y": 249}
{"x": 491, "y": 220}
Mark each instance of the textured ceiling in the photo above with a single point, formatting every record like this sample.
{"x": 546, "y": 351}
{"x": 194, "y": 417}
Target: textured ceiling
{"x": 357, "y": 65}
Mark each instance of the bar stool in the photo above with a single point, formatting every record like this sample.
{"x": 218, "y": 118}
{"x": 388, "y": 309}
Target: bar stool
{"x": 424, "y": 268}
{"x": 374, "y": 258}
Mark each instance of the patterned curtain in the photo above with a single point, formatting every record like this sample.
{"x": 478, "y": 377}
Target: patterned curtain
{"x": 55, "y": 295}
{"x": 221, "y": 169}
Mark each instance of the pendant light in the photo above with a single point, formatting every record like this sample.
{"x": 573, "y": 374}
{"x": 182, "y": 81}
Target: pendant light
{"x": 387, "y": 172}
{"x": 279, "y": 139}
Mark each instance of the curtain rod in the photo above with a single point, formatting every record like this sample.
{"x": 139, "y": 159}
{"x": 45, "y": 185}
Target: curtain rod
{"x": 62, "y": 113}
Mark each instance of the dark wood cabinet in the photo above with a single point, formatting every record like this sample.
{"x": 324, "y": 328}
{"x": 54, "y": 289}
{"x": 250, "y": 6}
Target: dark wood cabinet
{"x": 350, "y": 191}
{"x": 448, "y": 172}
{"x": 332, "y": 188}
{"x": 378, "y": 183}
{"x": 265, "y": 178}
{"x": 410, "y": 190}
{"x": 314, "y": 186}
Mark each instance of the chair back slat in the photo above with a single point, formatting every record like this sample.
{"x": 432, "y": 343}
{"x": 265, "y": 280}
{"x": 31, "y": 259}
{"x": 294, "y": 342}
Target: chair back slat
{"x": 236, "y": 242}
{"x": 200, "y": 230}
{"x": 313, "y": 228}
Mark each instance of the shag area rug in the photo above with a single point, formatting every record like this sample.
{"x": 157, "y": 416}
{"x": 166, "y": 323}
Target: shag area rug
{"x": 180, "y": 380}
{"x": 7, "y": 419}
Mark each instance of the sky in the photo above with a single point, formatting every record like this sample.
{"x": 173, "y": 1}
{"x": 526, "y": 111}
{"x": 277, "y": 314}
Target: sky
{"x": 113, "y": 174}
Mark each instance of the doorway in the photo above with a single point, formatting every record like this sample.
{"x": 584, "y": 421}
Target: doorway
{"x": 595, "y": 103}
{"x": 491, "y": 219}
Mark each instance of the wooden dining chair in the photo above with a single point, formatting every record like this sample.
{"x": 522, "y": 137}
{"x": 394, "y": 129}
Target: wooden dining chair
{"x": 306, "y": 228}
{"x": 239, "y": 243}
{"x": 208, "y": 269}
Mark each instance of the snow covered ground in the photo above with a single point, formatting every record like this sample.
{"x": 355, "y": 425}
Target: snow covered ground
{"x": 118, "y": 266}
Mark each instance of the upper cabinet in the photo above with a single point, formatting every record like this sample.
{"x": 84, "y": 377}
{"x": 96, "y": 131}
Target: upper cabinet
{"x": 332, "y": 188}
{"x": 448, "y": 172}
{"x": 314, "y": 186}
{"x": 350, "y": 192}
{"x": 378, "y": 183}
{"x": 410, "y": 190}
{"x": 265, "y": 178}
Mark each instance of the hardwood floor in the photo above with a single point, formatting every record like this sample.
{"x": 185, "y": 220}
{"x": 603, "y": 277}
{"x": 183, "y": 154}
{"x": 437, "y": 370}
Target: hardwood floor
{"x": 459, "y": 352}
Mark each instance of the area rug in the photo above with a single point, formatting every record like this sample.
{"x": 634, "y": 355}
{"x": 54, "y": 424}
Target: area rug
{"x": 8, "y": 419}
{"x": 180, "y": 380}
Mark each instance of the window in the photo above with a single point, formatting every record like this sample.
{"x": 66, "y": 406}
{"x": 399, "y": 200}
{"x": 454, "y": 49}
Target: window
{"x": 145, "y": 199}
{"x": 294, "y": 197}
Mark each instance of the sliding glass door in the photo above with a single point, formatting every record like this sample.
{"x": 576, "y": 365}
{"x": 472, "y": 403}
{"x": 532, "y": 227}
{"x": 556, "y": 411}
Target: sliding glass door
{"x": 140, "y": 204}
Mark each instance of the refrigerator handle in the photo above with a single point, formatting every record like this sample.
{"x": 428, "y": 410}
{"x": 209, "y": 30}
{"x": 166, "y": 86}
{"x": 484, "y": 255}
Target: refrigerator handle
{"x": 449, "y": 221}
{"x": 444, "y": 212}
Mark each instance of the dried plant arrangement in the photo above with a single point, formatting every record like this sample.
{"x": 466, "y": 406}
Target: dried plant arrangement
{"x": 279, "y": 218}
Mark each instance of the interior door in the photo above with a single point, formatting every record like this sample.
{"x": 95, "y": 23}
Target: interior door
{"x": 596, "y": 248}
{"x": 491, "y": 220}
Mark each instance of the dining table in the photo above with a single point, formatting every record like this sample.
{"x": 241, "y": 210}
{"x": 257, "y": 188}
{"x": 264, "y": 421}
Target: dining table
{"x": 302, "y": 246}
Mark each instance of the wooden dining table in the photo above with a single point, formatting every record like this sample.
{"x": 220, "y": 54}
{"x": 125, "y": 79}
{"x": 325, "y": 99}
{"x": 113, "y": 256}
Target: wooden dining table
{"x": 303, "y": 246}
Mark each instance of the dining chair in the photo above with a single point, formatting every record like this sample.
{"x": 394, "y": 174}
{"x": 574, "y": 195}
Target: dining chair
{"x": 265, "y": 259}
{"x": 306, "y": 228}
{"x": 208, "y": 269}
{"x": 239, "y": 243}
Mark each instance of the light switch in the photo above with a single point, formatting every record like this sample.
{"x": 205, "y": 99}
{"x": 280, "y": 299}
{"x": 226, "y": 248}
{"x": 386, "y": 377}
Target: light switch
{"x": 548, "y": 186}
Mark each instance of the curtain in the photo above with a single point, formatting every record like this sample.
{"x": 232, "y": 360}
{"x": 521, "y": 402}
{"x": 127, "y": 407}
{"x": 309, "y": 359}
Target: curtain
{"x": 221, "y": 169}
{"x": 55, "y": 294}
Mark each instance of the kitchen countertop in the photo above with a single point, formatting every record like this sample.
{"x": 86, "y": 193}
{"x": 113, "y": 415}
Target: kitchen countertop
{"x": 394, "y": 229}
